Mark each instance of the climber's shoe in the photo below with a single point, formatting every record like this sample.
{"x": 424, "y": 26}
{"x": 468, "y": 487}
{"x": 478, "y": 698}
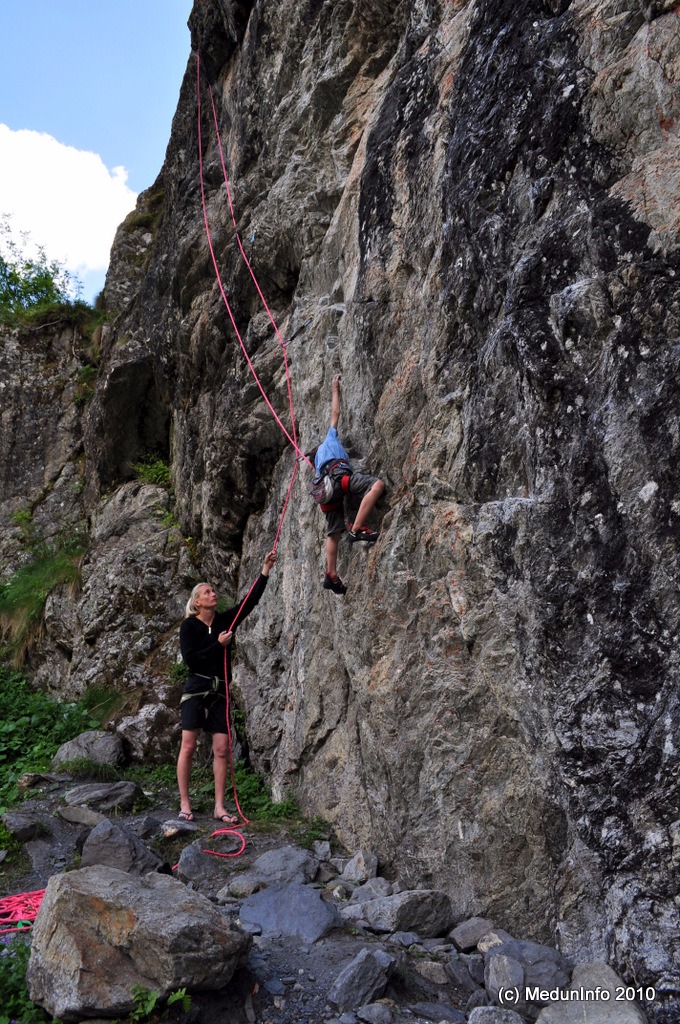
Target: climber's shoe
{"x": 335, "y": 584}
{"x": 362, "y": 533}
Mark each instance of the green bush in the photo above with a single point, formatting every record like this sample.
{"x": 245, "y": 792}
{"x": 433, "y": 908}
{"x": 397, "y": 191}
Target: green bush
{"x": 32, "y": 728}
{"x": 17, "y": 1008}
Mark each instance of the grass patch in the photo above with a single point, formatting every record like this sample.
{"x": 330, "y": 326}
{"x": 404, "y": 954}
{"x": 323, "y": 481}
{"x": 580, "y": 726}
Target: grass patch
{"x": 85, "y": 768}
{"x": 23, "y": 595}
{"x": 156, "y": 776}
{"x": 309, "y": 831}
{"x": 252, "y": 791}
{"x": 252, "y": 794}
{"x": 255, "y": 799}
{"x": 148, "y": 215}
{"x": 101, "y": 702}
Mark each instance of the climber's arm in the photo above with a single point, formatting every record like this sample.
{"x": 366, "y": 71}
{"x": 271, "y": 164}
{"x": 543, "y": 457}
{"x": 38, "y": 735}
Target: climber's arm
{"x": 335, "y": 401}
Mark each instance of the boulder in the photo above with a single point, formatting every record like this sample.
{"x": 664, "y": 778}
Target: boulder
{"x": 100, "y": 932}
{"x": 289, "y": 909}
{"x": 79, "y": 815}
{"x": 105, "y": 796}
{"x": 116, "y": 847}
{"x": 503, "y": 975}
{"x": 459, "y": 973}
{"x": 198, "y": 868}
{"x": 371, "y": 890}
{"x": 95, "y": 745}
{"x": 361, "y": 867}
{"x": 151, "y": 727}
{"x": 321, "y": 849}
{"x": 438, "y": 1013}
{"x": 494, "y": 1015}
{"x": 542, "y": 967}
{"x": 467, "y": 934}
{"x": 287, "y": 864}
{"x": 593, "y": 998}
{"x": 433, "y": 971}
{"x": 22, "y": 826}
{"x": 425, "y": 911}
{"x": 375, "y": 1013}
{"x": 363, "y": 980}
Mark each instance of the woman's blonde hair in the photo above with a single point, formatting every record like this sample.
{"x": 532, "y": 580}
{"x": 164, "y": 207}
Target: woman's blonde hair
{"x": 191, "y": 609}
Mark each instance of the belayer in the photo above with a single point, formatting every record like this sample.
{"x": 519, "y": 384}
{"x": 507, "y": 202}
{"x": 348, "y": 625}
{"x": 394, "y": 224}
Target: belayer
{"x": 337, "y": 485}
{"x": 204, "y": 636}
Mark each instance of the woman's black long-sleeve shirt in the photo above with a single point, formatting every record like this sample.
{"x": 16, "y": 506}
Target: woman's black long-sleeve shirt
{"x": 201, "y": 650}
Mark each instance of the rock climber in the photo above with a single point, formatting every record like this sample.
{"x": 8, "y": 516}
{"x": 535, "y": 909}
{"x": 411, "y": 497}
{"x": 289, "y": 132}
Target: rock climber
{"x": 360, "y": 491}
{"x": 204, "y": 636}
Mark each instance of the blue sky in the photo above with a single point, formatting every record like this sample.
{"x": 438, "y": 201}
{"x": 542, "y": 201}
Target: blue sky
{"x": 99, "y": 77}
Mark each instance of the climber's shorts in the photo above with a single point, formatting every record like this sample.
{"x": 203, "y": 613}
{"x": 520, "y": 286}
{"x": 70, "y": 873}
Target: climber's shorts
{"x": 359, "y": 485}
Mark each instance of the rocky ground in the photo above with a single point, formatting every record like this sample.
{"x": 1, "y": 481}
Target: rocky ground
{"x": 367, "y": 966}
{"x": 285, "y": 980}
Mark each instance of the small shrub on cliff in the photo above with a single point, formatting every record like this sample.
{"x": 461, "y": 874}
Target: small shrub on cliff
{"x": 23, "y": 518}
{"x": 152, "y": 470}
{"x": 23, "y": 595}
{"x": 84, "y": 390}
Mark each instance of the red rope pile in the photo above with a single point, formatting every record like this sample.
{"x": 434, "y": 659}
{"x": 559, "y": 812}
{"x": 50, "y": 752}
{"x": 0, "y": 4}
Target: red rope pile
{"x": 15, "y": 910}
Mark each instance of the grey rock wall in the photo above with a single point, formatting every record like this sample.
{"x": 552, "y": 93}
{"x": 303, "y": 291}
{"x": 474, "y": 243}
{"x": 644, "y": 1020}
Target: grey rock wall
{"x": 475, "y": 207}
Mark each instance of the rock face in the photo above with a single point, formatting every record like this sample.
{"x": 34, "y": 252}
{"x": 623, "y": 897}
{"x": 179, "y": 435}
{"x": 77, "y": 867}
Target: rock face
{"x": 473, "y": 207}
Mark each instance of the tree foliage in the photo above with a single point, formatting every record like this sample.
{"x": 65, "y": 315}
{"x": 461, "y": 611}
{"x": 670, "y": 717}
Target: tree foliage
{"x": 30, "y": 284}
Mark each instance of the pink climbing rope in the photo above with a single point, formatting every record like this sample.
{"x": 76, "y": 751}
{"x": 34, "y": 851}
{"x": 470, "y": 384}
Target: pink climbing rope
{"x": 234, "y": 831}
{"x": 271, "y": 408}
{"x": 248, "y": 264}
{"x": 16, "y": 909}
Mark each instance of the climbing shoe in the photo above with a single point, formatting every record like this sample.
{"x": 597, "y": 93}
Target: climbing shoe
{"x": 335, "y": 584}
{"x": 362, "y": 533}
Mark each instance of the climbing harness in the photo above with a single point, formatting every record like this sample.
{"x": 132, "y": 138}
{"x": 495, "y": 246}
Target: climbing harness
{"x": 215, "y": 682}
{"x": 19, "y": 912}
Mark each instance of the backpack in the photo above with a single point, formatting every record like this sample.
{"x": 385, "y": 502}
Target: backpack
{"x": 329, "y": 487}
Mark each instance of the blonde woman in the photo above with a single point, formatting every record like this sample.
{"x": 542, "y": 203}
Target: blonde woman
{"x": 204, "y": 636}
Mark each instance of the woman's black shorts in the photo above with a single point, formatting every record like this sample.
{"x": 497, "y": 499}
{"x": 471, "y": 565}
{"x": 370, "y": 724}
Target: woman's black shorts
{"x": 207, "y": 712}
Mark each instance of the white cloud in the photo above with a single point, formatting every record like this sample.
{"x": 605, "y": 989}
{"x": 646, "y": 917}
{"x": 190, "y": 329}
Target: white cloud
{"x": 66, "y": 198}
